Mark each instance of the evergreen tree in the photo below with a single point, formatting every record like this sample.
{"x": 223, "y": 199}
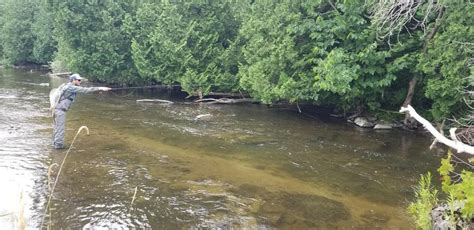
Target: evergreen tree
{"x": 447, "y": 62}
{"x": 91, "y": 39}
{"x": 17, "y": 39}
{"x": 313, "y": 52}
{"x": 187, "y": 43}
{"x": 44, "y": 45}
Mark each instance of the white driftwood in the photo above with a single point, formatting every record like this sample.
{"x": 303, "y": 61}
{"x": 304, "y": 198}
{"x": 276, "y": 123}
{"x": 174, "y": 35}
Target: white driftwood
{"x": 225, "y": 100}
{"x": 202, "y": 116}
{"x": 61, "y": 74}
{"x": 453, "y": 143}
{"x": 155, "y": 101}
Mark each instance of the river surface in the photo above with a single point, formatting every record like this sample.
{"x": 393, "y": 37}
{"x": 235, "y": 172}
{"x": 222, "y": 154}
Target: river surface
{"x": 190, "y": 166}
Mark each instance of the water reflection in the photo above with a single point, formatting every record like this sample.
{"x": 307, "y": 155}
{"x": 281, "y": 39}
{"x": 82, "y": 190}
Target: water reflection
{"x": 202, "y": 166}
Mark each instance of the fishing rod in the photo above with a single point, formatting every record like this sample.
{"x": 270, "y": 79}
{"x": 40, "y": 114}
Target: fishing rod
{"x": 167, "y": 86}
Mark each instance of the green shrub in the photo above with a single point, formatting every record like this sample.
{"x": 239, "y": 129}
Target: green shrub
{"x": 458, "y": 185}
{"x": 461, "y": 188}
{"x": 426, "y": 199}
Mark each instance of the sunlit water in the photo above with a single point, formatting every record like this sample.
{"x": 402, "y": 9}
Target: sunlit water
{"x": 236, "y": 167}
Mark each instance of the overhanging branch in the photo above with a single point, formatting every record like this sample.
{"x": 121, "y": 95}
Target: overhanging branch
{"x": 453, "y": 143}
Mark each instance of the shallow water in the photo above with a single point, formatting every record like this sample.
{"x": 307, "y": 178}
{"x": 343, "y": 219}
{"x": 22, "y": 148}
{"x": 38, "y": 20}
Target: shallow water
{"x": 237, "y": 167}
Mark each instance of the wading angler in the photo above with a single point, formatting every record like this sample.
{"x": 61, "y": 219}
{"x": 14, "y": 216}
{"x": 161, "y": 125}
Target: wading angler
{"x": 61, "y": 100}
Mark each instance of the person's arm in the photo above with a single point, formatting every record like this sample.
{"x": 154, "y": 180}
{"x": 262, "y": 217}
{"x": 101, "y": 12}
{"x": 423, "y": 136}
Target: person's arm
{"x": 80, "y": 89}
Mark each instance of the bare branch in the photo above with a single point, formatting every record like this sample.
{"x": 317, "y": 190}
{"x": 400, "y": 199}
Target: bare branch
{"x": 390, "y": 16}
{"x": 458, "y": 160}
{"x": 225, "y": 100}
{"x": 457, "y": 145}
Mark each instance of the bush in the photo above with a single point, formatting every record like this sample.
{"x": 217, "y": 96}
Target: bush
{"x": 426, "y": 199}
{"x": 458, "y": 209}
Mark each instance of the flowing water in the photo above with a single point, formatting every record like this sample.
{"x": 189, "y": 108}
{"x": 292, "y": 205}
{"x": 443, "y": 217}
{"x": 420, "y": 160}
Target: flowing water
{"x": 198, "y": 166}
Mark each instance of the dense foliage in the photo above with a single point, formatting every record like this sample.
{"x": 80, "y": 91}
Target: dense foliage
{"x": 321, "y": 52}
{"x": 92, "y": 40}
{"x": 187, "y": 44}
{"x": 448, "y": 60}
{"x": 16, "y": 35}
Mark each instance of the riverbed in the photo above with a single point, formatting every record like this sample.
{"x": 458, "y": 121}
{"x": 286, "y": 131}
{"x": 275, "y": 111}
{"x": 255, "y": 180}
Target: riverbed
{"x": 193, "y": 166}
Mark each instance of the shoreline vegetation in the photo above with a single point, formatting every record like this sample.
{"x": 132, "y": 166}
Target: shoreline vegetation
{"x": 322, "y": 53}
{"x": 368, "y": 121}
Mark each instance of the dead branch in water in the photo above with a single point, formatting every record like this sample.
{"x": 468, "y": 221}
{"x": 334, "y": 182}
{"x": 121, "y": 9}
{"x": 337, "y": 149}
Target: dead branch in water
{"x": 454, "y": 142}
{"x": 225, "y": 101}
{"x": 155, "y": 101}
{"x": 61, "y": 74}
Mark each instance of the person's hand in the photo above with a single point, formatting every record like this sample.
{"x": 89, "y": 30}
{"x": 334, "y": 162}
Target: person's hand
{"x": 104, "y": 88}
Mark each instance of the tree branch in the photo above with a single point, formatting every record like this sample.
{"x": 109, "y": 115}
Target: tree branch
{"x": 455, "y": 144}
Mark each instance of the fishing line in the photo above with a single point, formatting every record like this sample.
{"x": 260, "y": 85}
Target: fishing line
{"x": 134, "y": 88}
{"x": 126, "y": 95}
{"x": 173, "y": 86}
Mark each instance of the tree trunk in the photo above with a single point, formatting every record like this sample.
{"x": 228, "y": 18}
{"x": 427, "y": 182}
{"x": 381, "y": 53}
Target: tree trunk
{"x": 409, "y": 121}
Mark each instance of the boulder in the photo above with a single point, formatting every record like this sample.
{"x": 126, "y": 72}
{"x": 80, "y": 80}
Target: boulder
{"x": 383, "y": 126}
{"x": 363, "y": 122}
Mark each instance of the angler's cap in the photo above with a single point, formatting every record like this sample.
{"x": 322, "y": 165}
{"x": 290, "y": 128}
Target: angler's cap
{"x": 75, "y": 77}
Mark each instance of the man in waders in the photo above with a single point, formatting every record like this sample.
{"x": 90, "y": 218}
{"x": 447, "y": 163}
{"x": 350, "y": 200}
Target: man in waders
{"x": 66, "y": 99}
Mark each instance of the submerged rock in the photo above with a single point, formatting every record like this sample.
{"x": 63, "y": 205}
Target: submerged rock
{"x": 300, "y": 211}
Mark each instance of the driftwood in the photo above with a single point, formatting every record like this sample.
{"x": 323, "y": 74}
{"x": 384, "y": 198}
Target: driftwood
{"x": 155, "y": 101}
{"x": 201, "y": 116}
{"x": 454, "y": 143}
{"x": 61, "y": 74}
{"x": 225, "y": 101}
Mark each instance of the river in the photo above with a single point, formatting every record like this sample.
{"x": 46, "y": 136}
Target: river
{"x": 198, "y": 166}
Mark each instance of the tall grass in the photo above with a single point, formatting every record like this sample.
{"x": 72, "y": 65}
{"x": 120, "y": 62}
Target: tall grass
{"x": 21, "y": 217}
{"x": 426, "y": 199}
{"x": 59, "y": 173}
{"x": 133, "y": 198}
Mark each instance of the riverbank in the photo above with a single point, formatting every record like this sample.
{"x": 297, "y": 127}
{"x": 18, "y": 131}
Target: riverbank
{"x": 366, "y": 121}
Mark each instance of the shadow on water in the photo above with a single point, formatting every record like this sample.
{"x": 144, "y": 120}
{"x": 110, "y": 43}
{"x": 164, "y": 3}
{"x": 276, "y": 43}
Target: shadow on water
{"x": 237, "y": 167}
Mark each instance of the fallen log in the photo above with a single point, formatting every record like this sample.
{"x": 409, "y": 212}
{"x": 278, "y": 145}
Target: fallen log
{"x": 454, "y": 143}
{"x": 155, "y": 101}
{"x": 225, "y": 100}
{"x": 61, "y": 74}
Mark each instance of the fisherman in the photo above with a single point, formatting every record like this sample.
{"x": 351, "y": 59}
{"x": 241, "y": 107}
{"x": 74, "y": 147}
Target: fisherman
{"x": 67, "y": 97}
